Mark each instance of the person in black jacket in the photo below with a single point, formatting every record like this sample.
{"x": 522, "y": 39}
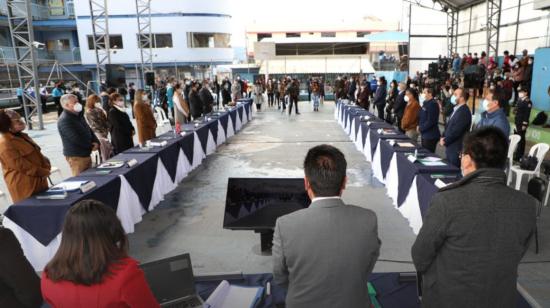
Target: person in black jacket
{"x": 195, "y": 102}
{"x": 523, "y": 113}
{"x": 206, "y": 97}
{"x": 226, "y": 91}
{"x": 457, "y": 127}
{"x": 122, "y": 130}
{"x": 400, "y": 104}
{"x": 216, "y": 88}
{"x": 19, "y": 284}
{"x": 428, "y": 120}
{"x": 77, "y": 137}
{"x": 380, "y": 97}
{"x": 352, "y": 89}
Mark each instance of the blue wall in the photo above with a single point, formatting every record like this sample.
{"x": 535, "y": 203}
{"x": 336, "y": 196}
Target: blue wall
{"x": 541, "y": 79}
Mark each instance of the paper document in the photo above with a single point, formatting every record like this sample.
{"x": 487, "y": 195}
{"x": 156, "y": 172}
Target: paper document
{"x": 405, "y": 144}
{"x": 70, "y": 185}
{"x": 440, "y": 184}
{"x": 430, "y": 163}
{"x": 228, "y": 296}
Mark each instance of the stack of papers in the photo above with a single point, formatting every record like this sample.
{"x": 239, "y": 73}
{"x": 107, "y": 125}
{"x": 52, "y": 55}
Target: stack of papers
{"x": 113, "y": 164}
{"x": 69, "y": 185}
{"x": 432, "y": 161}
{"x": 405, "y": 145}
{"x": 228, "y": 296}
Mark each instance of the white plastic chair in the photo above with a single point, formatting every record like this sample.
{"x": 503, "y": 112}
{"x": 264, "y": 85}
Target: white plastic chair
{"x": 514, "y": 141}
{"x": 540, "y": 149}
{"x": 4, "y": 204}
{"x": 162, "y": 120}
{"x": 55, "y": 170}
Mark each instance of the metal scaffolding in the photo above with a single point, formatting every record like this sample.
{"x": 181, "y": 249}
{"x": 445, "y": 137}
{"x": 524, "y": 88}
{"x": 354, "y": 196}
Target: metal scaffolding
{"x": 493, "y": 26}
{"x": 22, "y": 36}
{"x": 100, "y": 29}
{"x": 145, "y": 38}
{"x": 452, "y": 31}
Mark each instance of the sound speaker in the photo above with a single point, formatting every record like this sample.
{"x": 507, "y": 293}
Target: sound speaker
{"x": 150, "y": 78}
{"x": 403, "y": 50}
{"x": 433, "y": 68}
{"x": 116, "y": 75}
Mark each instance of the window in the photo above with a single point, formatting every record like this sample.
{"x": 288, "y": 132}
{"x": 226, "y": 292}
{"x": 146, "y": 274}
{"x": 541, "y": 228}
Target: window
{"x": 115, "y": 42}
{"x": 362, "y": 33}
{"x": 328, "y": 34}
{"x": 62, "y": 44}
{"x": 208, "y": 40}
{"x": 292, "y": 34}
{"x": 159, "y": 40}
{"x": 261, "y": 36}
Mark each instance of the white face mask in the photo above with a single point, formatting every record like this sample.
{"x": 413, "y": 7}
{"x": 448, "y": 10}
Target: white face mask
{"x": 120, "y": 103}
{"x": 521, "y": 95}
{"x": 485, "y": 105}
{"x": 422, "y": 99}
{"x": 406, "y": 98}
{"x": 98, "y": 105}
{"x": 77, "y": 107}
{"x": 145, "y": 97}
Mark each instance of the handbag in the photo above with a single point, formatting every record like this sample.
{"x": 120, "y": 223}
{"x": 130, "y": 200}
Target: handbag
{"x": 528, "y": 163}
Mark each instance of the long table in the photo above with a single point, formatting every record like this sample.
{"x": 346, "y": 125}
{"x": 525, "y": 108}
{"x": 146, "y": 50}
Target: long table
{"x": 410, "y": 185}
{"x": 133, "y": 191}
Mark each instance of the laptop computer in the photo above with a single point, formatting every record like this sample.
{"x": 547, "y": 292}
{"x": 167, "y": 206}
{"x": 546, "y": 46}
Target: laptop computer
{"x": 171, "y": 281}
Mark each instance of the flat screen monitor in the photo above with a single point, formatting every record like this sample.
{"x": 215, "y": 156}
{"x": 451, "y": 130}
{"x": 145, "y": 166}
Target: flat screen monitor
{"x": 256, "y": 203}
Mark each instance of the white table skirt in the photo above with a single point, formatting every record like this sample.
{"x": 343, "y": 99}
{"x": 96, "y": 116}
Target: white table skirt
{"x": 377, "y": 165}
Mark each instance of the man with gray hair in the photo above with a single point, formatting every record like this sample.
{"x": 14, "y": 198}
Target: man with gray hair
{"x": 76, "y": 136}
{"x": 400, "y": 104}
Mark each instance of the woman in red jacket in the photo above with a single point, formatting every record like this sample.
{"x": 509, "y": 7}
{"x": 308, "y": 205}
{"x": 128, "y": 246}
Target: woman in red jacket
{"x": 91, "y": 267}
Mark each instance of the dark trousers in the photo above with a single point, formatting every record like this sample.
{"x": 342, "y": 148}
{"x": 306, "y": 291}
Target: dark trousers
{"x": 453, "y": 156}
{"x": 57, "y": 101}
{"x": 258, "y": 107}
{"x": 520, "y": 151}
{"x": 380, "y": 109}
{"x": 398, "y": 119}
{"x": 293, "y": 100}
{"x": 516, "y": 86}
{"x": 270, "y": 100}
{"x": 429, "y": 144}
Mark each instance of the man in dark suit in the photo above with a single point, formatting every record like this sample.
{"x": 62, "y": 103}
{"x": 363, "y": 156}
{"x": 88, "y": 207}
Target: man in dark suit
{"x": 400, "y": 104}
{"x": 457, "y": 127}
{"x": 380, "y": 97}
{"x": 206, "y": 97}
{"x": 195, "y": 102}
{"x": 475, "y": 231}
{"x": 325, "y": 253}
{"x": 428, "y": 120}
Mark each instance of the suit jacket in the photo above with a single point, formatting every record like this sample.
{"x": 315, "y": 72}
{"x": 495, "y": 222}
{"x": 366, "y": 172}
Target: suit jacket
{"x": 76, "y": 136}
{"x": 472, "y": 239}
{"x": 458, "y": 125}
{"x": 400, "y": 104}
{"x": 380, "y": 96}
{"x": 325, "y": 253}
{"x": 196, "y": 105}
{"x": 25, "y": 169}
{"x": 122, "y": 130}
{"x": 428, "y": 120}
{"x": 145, "y": 120}
{"x": 19, "y": 284}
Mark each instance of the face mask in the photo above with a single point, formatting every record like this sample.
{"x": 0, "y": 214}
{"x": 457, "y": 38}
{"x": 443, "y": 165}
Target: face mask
{"x": 521, "y": 95}
{"x": 406, "y": 98}
{"x": 379, "y": 83}
{"x": 145, "y": 97}
{"x": 485, "y": 105}
{"x": 453, "y": 100}
{"x": 530, "y": 62}
{"x": 77, "y": 107}
{"x": 98, "y": 105}
{"x": 120, "y": 103}
{"x": 422, "y": 99}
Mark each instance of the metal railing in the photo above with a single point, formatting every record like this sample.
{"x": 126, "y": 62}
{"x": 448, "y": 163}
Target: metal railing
{"x": 40, "y": 11}
{"x": 68, "y": 56}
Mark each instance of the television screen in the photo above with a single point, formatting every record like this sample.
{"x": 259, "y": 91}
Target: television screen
{"x": 256, "y": 203}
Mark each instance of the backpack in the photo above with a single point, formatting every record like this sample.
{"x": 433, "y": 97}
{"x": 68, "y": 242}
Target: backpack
{"x": 540, "y": 119}
{"x": 528, "y": 163}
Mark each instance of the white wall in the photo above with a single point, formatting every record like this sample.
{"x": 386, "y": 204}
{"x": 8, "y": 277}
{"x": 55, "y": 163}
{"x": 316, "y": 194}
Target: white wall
{"x": 177, "y": 25}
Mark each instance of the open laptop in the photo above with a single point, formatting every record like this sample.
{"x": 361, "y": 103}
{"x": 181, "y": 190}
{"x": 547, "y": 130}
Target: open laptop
{"x": 171, "y": 281}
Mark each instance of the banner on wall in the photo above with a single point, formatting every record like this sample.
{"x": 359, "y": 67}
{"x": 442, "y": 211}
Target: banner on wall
{"x": 57, "y": 7}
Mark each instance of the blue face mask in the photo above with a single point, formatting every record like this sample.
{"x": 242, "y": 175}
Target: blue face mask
{"x": 484, "y": 105}
{"x": 453, "y": 100}
{"x": 421, "y": 100}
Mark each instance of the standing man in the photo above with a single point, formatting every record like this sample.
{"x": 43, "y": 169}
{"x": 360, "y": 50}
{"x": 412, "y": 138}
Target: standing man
{"x": 325, "y": 253}
{"x": 76, "y": 136}
{"x": 380, "y": 97}
{"x": 170, "y": 96}
{"x": 523, "y": 113}
{"x": 428, "y": 122}
{"x": 493, "y": 113}
{"x": 216, "y": 89}
{"x": 226, "y": 91}
{"x": 57, "y": 92}
{"x": 400, "y": 104}
{"x": 206, "y": 97}
{"x": 475, "y": 231}
{"x": 457, "y": 127}
{"x": 195, "y": 102}
{"x": 352, "y": 88}
{"x": 293, "y": 91}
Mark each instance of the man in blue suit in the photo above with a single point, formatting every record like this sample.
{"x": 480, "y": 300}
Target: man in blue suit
{"x": 428, "y": 120}
{"x": 458, "y": 125}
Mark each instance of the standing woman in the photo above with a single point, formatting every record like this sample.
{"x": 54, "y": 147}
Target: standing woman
{"x": 92, "y": 268}
{"x": 392, "y": 97}
{"x": 409, "y": 123}
{"x": 122, "y": 130}
{"x": 270, "y": 93}
{"x": 145, "y": 119}
{"x": 25, "y": 169}
{"x": 258, "y": 94}
{"x": 98, "y": 122}
{"x": 236, "y": 90}
{"x": 183, "y": 115}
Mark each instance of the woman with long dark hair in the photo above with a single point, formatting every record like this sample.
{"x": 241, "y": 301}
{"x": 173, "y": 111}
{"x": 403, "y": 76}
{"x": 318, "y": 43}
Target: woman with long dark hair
{"x": 92, "y": 268}
{"x": 122, "y": 130}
